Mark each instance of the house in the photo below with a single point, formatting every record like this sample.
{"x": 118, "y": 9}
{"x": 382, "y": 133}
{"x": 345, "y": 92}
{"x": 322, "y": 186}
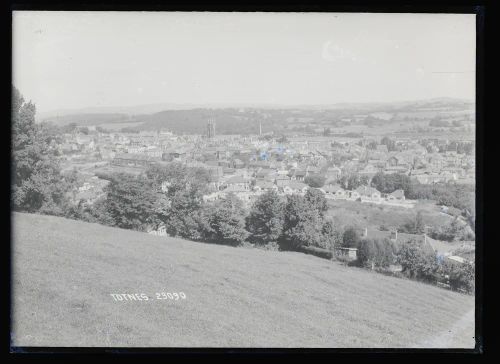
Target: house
{"x": 382, "y": 148}
{"x": 228, "y": 171}
{"x": 172, "y": 155}
{"x": 263, "y": 186}
{"x": 262, "y": 173}
{"x": 244, "y": 194}
{"x": 396, "y": 195}
{"x": 401, "y": 238}
{"x": 370, "y": 170}
{"x": 159, "y": 231}
{"x": 333, "y": 173}
{"x": 214, "y": 196}
{"x": 392, "y": 161}
{"x": 334, "y": 191}
{"x": 346, "y": 253}
{"x": 396, "y": 169}
{"x": 368, "y": 193}
{"x": 282, "y": 181}
{"x": 238, "y": 163}
{"x": 238, "y": 181}
{"x": 295, "y": 187}
{"x": 299, "y": 175}
{"x": 353, "y": 195}
{"x": 132, "y": 160}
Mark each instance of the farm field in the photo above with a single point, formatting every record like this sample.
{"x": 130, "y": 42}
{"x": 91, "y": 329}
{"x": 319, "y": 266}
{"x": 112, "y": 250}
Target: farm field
{"x": 64, "y": 272}
{"x": 373, "y": 216}
{"x": 117, "y": 126}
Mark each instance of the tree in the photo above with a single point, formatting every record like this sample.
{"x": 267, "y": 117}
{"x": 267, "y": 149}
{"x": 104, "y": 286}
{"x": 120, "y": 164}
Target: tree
{"x": 223, "y": 222}
{"x": 366, "y": 253}
{"x": 391, "y": 144}
{"x": 418, "y": 263}
{"x": 331, "y": 236}
{"x": 459, "y": 276}
{"x": 265, "y": 221}
{"x": 436, "y": 122}
{"x": 353, "y": 181}
{"x": 455, "y": 230}
{"x": 315, "y": 180}
{"x": 384, "y": 252}
{"x": 179, "y": 177}
{"x": 388, "y": 183}
{"x": 181, "y": 213}
{"x": 84, "y": 130}
{"x": 316, "y": 200}
{"x": 351, "y": 238}
{"x": 37, "y": 185}
{"x": 130, "y": 202}
{"x": 375, "y": 253}
{"x": 302, "y": 226}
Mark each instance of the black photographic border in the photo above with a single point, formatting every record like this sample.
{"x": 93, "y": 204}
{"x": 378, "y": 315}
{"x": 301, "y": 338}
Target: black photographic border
{"x": 482, "y": 340}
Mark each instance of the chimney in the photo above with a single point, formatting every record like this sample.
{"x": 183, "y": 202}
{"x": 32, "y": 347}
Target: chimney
{"x": 394, "y": 235}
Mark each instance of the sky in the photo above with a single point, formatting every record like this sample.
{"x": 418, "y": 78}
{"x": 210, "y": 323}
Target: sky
{"x": 65, "y": 60}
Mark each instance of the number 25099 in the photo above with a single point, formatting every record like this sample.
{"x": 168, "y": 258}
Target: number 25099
{"x": 170, "y": 296}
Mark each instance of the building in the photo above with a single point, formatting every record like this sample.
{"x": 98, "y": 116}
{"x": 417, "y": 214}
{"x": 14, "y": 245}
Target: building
{"x": 368, "y": 193}
{"x": 396, "y": 195}
{"x": 132, "y": 160}
{"x": 211, "y": 128}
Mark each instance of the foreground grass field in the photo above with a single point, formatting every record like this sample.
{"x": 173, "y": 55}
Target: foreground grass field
{"x": 64, "y": 272}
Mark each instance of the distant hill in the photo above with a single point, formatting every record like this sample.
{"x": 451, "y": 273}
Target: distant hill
{"x": 89, "y": 119}
{"x": 64, "y": 271}
{"x": 128, "y": 110}
{"x": 245, "y": 120}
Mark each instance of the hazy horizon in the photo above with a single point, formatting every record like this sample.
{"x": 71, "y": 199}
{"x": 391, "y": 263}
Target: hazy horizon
{"x": 82, "y": 60}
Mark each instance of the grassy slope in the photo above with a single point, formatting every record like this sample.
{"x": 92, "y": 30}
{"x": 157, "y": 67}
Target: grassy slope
{"x": 64, "y": 271}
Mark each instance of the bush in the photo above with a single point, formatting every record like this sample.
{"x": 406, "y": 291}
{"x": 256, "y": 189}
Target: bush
{"x": 366, "y": 252}
{"x": 384, "y": 253}
{"x": 351, "y": 238}
{"x": 414, "y": 226}
{"x": 332, "y": 236}
{"x": 455, "y": 230}
{"x": 375, "y": 253}
{"x": 418, "y": 263}
{"x": 303, "y": 221}
{"x": 130, "y": 202}
{"x": 223, "y": 222}
{"x": 388, "y": 183}
{"x": 265, "y": 221}
{"x": 315, "y": 181}
{"x": 459, "y": 276}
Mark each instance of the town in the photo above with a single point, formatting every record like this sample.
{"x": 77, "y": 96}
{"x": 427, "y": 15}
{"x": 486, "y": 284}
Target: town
{"x": 343, "y": 168}
{"x": 250, "y": 165}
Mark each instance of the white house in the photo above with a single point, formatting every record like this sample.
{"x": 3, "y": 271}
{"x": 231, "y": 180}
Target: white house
{"x": 368, "y": 193}
{"x": 396, "y": 195}
{"x": 295, "y": 187}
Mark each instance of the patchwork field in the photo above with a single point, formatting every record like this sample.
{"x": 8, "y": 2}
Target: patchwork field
{"x": 65, "y": 271}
